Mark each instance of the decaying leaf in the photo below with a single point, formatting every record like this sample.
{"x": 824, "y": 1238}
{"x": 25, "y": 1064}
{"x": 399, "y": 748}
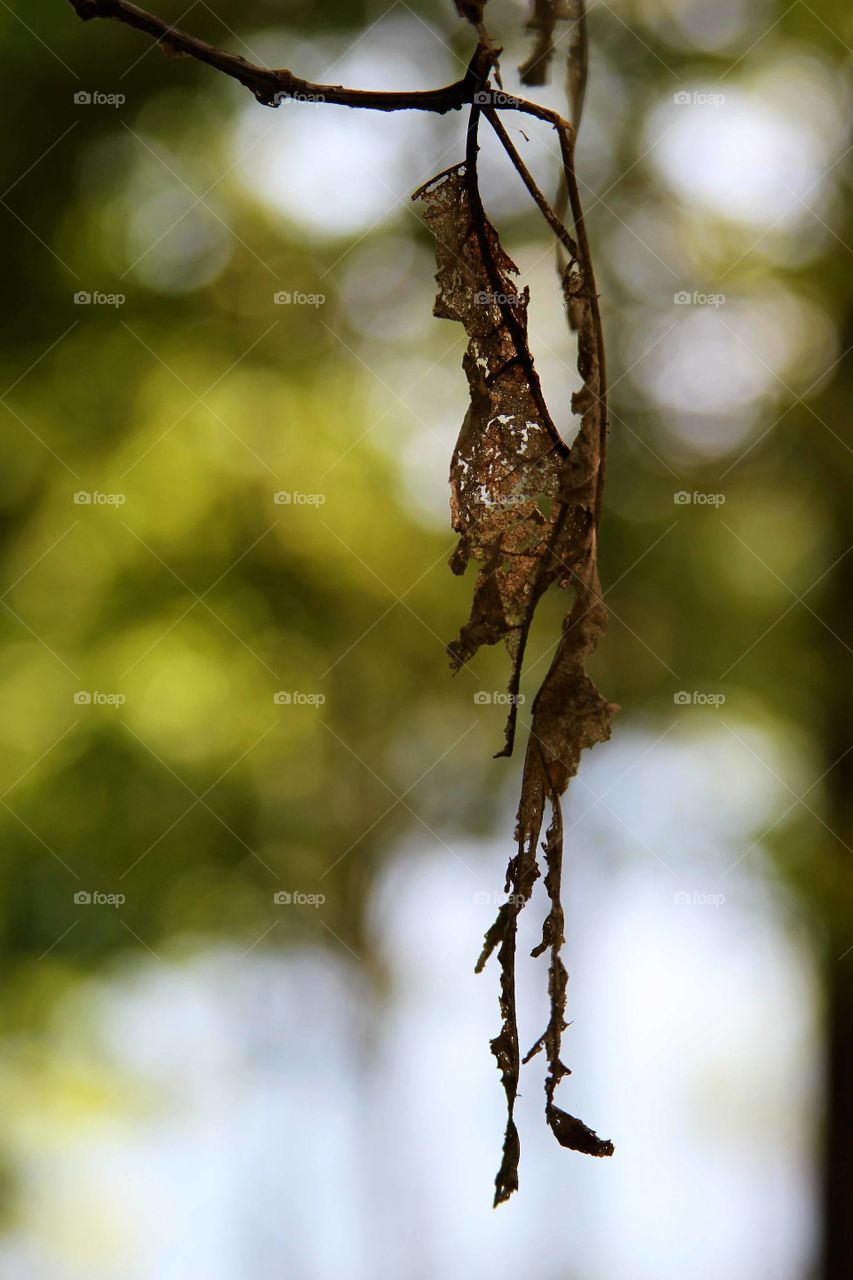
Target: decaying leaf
{"x": 545, "y": 19}
{"x": 576, "y": 61}
{"x": 526, "y": 508}
{"x": 471, "y": 10}
{"x": 506, "y": 467}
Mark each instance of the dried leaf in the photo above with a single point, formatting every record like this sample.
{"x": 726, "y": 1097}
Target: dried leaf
{"x": 543, "y": 23}
{"x": 576, "y": 61}
{"x": 505, "y": 471}
{"x": 526, "y": 508}
{"x": 471, "y": 10}
{"x": 544, "y": 20}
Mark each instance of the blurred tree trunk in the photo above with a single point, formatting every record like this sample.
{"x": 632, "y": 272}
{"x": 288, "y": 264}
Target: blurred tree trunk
{"x": 838, "y": 1118}
{"x": 838, "y": 1160}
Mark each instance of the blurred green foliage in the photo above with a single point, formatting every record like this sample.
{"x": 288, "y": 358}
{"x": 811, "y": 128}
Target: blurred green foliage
{"x": 198, "y": 598}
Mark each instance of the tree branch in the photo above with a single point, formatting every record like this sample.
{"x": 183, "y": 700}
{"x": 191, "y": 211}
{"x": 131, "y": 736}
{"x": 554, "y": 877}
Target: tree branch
{"x": 272, "y": 85}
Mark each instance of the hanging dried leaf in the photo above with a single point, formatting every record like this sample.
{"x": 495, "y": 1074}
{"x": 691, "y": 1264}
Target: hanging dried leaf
{"x": 526, "y": 508}
{"x": 543, "y": 23}
{"x": 569, "y": 715}
{"x": 471, "y": 10}
{"x": 576, "y": 61}
{"x": 505, "y": 471}
{"x": 545, "y": 18}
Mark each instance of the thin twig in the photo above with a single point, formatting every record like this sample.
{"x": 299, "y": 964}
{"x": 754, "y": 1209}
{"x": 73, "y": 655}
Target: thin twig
{"x": 527, "y": 178}
{"x": 567, "y": 151}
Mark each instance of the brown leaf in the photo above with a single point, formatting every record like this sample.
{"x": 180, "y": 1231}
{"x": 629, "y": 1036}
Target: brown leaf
{"x": 542, "y": 22}
{"x": 545, "y": 18}
{"x": 573, "y": 1133}
{"x": 576, "y": 61}
{"x": 527, "y": 509}
{"x": 505, "y": 472}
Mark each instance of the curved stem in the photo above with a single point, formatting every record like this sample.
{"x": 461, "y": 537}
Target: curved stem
{"x": 567, "y": 150}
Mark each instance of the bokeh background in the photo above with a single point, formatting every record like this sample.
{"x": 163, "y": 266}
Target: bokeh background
{"x": 209, "y": 697}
